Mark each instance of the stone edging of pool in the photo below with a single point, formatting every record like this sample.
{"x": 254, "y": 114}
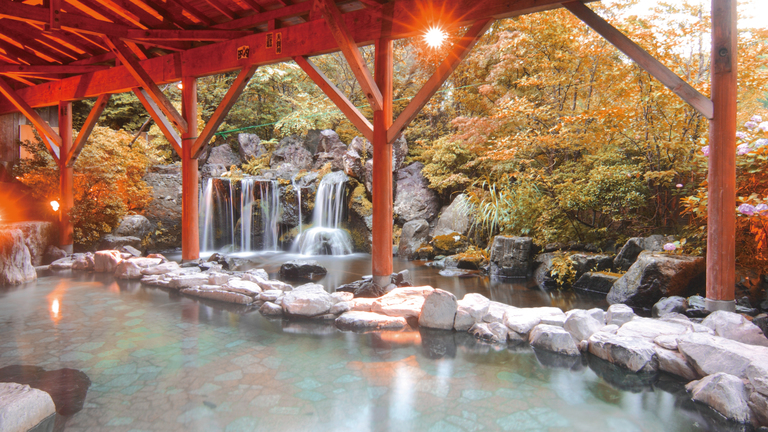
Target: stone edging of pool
{"x": 724, "y": 357}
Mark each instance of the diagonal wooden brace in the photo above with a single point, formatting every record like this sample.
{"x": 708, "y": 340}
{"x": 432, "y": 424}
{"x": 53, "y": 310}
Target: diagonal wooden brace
{"x": 51, "y": 139}
{"x": 446, "y": 68}
{"x": 162, "y": 121}
{"x": 222, "y": 110}
{"x": 347, "y": 45}
{"x": 654, "y": 67}
{"x": 145, "y": 81}
{"x": 334, "y": 94}
{"x": 85, "y": 131}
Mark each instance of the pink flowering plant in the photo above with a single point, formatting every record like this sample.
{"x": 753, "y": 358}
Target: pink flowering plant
{"x": 675, "y": 247}
{"x": 751, "y": 190}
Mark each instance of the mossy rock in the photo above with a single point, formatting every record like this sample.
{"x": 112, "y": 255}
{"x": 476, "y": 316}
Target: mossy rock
{"x": 425, "y": 252}
{"x": 450, "y": 244}
{"x": 359, "y": 202}
{"x": 472, "y": 259}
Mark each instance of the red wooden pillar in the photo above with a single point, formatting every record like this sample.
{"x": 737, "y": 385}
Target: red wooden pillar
{"x": 66, "y": 178}
{"x": 721, "y": 229}
{"x": 190, "y": 232}
{"x": 381, "y": 249}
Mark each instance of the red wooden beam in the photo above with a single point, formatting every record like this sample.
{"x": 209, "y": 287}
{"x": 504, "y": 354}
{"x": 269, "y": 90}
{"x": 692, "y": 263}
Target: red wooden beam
{"x": 66, "y": 179}
{"x": 721, "y": 210}
{"x": 160, "y": 119}
{"x": 50, "y": 137}
{"x": 264, "y": 17}
{"x": 227, "y": 12}
{"x": 654, "y": 67}
{"x": 185, "y": 35}
{"x": 222, "y": 110}
{"x": 85, "y": 131}
{"x": 194, "y": 12}
{"x": 349, "y": 48}
{"x": 339, "y": 99}
{"x": 50, "y": 69}
{"x": 446, "y": 68}
{"x": 146, "y": 82}
{"x": 190, "y": 216}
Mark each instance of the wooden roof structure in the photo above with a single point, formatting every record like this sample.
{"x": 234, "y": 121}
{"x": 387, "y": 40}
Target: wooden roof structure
{"x": 53, "y": 52}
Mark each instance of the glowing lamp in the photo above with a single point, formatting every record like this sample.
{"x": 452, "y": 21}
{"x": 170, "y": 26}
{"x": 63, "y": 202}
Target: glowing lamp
{"x": 434, "y": 37}
{"x": 55, "y": 205}
{"x": 180, "y": 86}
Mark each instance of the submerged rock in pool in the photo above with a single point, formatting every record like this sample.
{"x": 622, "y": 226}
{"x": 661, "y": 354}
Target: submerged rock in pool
{"x": 358, "y": 320}
{"x": 302, "y": 269}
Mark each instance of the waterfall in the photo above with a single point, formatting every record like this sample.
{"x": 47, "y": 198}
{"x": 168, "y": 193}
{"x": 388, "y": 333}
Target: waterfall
{"x": 326, "y": 237}
{"x": 227, "y": 203}
{"x": 297, "y": 191}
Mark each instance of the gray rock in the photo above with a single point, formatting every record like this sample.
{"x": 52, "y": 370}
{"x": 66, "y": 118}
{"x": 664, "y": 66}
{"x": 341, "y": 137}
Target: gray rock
{"x": 511, "y": 256}
{"x": 597, "y": 282}
{"x": 414, "y": 234}
{"x": 634, "y": 354}
{"x": 302, "y": 269}
{"x": 399, "y": 153}
{"x": 358, "y": 320}
{"x": 130, "y": 250}
{"x": 734, "y": 326}
{"x": 307, "y": 301}
{"x": 710, "y": 354}
{"x": 291, "y": 152}
{"x": 758, "y": 404}
{"x": 581, "y": 263}
{"x": 84, "y": 262}
{"x": 496, "y": 312}
{"x": 368, "y": 176}
{"x": 455, "y": 218}
{"x": 249, "y": 146}
{"x": 271, "y": 309}
{"x": 724, "y": 393}
{"x": 439, "y": 310}
{"x": 554, "y": 339}
{"x": 494, "y": 332}
{"x": 163, "y": 268}
{"x": 762, "y": 322}
{"x": 329, "y": 149}
{"x": 353, "y": 164}
{"x": 657, "y": 275}
{"x": 413, "y": 197}
{"x": 362, "y": 146}
{"x": 23, "y": 408}
{"x": 15, "y": 260}
{"x": 164, "y": 214}
{"x": 128, "y": 269}
{"x": 105, "y": 261}
{"x": 667, "y": 305}
{"x": 223, "y": 155}
{"x": 523, "y": 320}
{"x": 221, "y": 295}
{"x": 133, "y": 226}
{"x": 671, "y": 361}
{"x": 471, "y": 310}
{"x": 188, "y": 280}
{"x": 650, "y": 329}
{"x": 113, "y": 242}
{"x": 404, "y": 302}
{"x": 581, "y": 325}
{"x": 37, "y": 236}
{"x": 53, "y": 253}
{"x": 248, "y": 288}
{"x": 619, "y": 314}
{"x": 632, "y": 248}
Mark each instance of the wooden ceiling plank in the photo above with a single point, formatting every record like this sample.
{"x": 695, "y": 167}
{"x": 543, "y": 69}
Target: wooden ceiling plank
{"x": 254, "y": 5}
{"x": 461, "y": 48}
{"x": 227, "y": 12}
{"x": 187, "y": 35}
{"x": 162, "y": 44}
{"x": 23, "y": 80}
{"x": 50, "y": 69}
{"x": 28, "y": 41}
{"x": 349, "y": 48}
{"x": 107, "y": 13}
{"x": 34, "y": 14}
{"x": 145, "y": 18}
{"x": 205, "y": 19}
{"x": 146, "y": 83}
{"x": 54, "y": 140}
{"x": 107, "y": 57}
{"x": 337, "y": 97}
{"x": 85, "y": 131}
{"x": 169, "y": 17}
{"x": 262, "y": 18}
{"x": 21, "y": 54}
{"x": 160, "y": 119}
{"x": 222, "y": 109}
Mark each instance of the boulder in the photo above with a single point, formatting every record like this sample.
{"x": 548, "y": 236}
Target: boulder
{"x": 511, "y": 256}
{"x": 188, "y": 280}
{"x": 248, "y": 288}
{"x": 496, "y": 311}
{"x": 724, "y": 393}
{"x": 271, "y": 309}
{"x": 734, "y": 326}
{"x": 15, "y": 260}
{"x": 597, "y": 282}
{"x": 554, "y": 339}
{"x": 38, "y": 235}
{"x": 439, "y": 310}
{"x": 402, "y": 302}
{"x": 302, "y": 269}
{"x": 163, "y": 268}
{"x": 471, "y": 310}
{"x": 133, "y": 226}
{"x": 631, "y": 250}
{"x": 362, "y": 146}
{"x": 413, "y": 197}
{"x": 455, "y": 218}
{"x": 581, "y": 325}
{"x": 710, "y": 354}
{"x": 758, "y": 403}
{"x": 523, "y": 320}
{"x": 213, "y": 293}
{"x": 307, "y": 301}
{"x": 329, "y": 149}
{"x": 761, "y": 321}
{"x": 23, "y": 408}
{"x": 164, "y": 211}
{"x": 450, "y": 244}
{"x": 223, "y": 155}
{"x": 84, "y": 262}
{"x": 292, "y": 154}
{"x": 414, "y": 234}
{"x": 113, "y": 242}
{"x": 353, "y": 164}
{"x": 619, "y": 314}
{"x": 667, "y": 305}
{"x": 580, "y": 263}
{"x": 649, "y": 328}
{"x": 671, "y": 361}
{"x": 128, "y": 269}
{"x": 494, "y": 332}
{"x": 657, "y": 275}
{"x": 53, "y": 253}
{"x": 359, "y": 321}
{"x": 249, "y": 146}
{"x": 634, "y": 354}
{"x": 368, "y": 176}
{"x": 105, "y": 261}
{"x": 399, "y": 153}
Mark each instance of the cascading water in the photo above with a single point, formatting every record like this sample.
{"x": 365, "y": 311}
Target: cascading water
{"x": 229, "y": 204}
{"x": 326, "y": 237}
{"x": 297, "y": 191}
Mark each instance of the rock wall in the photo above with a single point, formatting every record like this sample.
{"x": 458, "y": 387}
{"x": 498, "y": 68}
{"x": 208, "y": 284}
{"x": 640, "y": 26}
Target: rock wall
{"x": 15, "y": 259}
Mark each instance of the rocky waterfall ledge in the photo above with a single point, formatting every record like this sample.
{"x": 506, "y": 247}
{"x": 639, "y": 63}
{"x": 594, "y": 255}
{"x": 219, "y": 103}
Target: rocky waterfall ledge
{"x": 723, "y": 358}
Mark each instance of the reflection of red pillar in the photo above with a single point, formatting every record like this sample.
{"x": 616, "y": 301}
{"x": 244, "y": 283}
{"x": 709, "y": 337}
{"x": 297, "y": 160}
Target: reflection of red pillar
{"x": 66, "y": 178}
{"x": 381, "y": 249}
{"x": 721, "y": 229}
{"x": 190, "y": 237}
